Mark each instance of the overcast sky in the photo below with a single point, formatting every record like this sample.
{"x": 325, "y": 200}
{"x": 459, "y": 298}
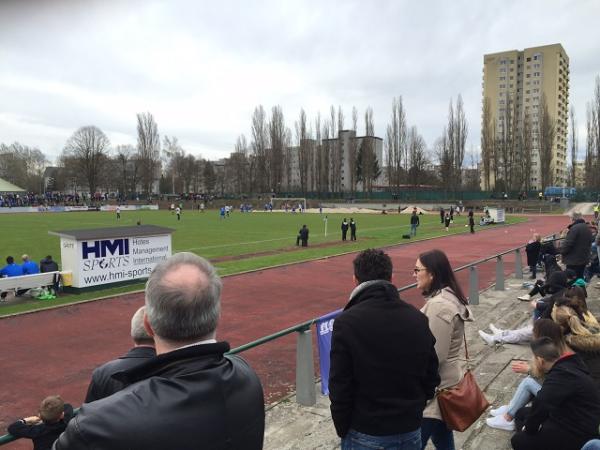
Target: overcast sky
{"x": 201, "y": 67}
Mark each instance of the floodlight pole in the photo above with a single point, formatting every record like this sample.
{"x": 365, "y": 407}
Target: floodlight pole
{"x": 325, "y": 219}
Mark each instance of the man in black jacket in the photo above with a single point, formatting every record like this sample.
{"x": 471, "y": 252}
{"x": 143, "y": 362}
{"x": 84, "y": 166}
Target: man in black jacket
{"x": 576, "y": 247}
{"x": 566, "y": 411}
{"x": 102, "y": 384}
{"x": 383, "y": 362}
{"x": 190, "y": 395}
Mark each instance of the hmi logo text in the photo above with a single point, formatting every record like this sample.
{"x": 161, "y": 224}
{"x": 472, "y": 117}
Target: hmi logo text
{"x": 105, "y": 247}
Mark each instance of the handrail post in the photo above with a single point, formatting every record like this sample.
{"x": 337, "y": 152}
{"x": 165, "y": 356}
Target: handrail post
{"x": 473, "y": 286}
{"x": 499, "y": 274}
{"x": 518, "y": 264}
{"x": 306, "y": 392}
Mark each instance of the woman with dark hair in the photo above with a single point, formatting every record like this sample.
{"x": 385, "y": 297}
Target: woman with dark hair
{"x": 447, "y": 310}
{"x": 503, "y": 417}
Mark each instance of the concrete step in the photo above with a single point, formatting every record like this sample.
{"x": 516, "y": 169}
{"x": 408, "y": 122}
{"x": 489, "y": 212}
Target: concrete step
{"x": 294, "y": 427}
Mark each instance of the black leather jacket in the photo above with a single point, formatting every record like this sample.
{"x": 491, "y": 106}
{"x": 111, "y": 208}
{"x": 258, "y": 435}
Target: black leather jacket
{"x": 103, "y": 384}
{"x": 187, "y": 399}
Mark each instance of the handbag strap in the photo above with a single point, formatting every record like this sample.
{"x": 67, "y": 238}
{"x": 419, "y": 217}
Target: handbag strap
{"x": 466, "y": 348}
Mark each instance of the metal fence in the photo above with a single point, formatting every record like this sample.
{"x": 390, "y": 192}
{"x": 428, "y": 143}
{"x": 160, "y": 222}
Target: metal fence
{"x": 305, "y": 374}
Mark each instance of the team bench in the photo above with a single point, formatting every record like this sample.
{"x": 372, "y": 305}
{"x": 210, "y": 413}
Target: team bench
{"x": 37, "y": 280}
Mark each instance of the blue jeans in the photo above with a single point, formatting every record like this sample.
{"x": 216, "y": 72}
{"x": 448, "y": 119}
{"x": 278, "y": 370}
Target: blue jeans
{"x": 440, "y": 435}
{"x": 528, "y": 388}
{"x": 413, "y": 229}
{"x": 403, "y": 441}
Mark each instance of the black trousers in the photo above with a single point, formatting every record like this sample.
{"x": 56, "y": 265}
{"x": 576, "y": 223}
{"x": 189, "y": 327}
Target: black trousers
{"x": 579, "y": 269}
{"x": 550, "y": 437}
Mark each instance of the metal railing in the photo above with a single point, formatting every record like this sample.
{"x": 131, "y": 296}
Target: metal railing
{"x": 306, "y": 393}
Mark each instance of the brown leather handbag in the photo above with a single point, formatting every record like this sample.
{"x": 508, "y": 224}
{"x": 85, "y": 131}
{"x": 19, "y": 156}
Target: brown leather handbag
{"x": 463, "y": 404}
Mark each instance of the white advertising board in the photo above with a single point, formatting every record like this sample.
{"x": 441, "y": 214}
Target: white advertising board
{"x": 114, "y": 260}
{"x": 497, "y": 214}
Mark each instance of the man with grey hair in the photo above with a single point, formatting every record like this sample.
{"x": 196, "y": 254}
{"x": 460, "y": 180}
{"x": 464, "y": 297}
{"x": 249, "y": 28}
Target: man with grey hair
{"x": 577, "y": 244}
{"x": 191, "y": 395}
{"x": 103, "y": 384}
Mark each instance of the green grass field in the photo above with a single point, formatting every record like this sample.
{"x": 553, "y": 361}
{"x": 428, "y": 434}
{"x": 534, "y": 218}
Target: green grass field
{"x": 239, "y": 243}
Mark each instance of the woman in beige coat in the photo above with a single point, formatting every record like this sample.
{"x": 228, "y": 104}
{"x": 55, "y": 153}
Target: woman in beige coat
{"x": 447, "y": 311}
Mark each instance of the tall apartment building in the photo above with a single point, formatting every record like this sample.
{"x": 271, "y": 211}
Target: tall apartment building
{"x": 520, "y": 79}
{"x": 339, "y": 172}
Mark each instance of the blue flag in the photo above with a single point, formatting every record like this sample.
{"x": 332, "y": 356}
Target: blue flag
{"x": 324, "y": 332}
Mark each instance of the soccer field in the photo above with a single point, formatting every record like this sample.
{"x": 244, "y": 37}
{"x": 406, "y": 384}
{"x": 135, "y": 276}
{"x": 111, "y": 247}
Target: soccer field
{"x": 241, "y": 242}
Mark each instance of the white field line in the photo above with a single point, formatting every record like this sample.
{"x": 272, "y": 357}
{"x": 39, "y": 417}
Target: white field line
{"x": 209, "y": 247}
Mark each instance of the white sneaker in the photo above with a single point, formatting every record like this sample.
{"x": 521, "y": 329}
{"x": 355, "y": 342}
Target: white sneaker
{"x": 500, "y": 423}
{"x": 524, "y": 298}
{"x": 488, "y": 338}
{"x": 495, "y": 329}
{"x": 499, "y": 411}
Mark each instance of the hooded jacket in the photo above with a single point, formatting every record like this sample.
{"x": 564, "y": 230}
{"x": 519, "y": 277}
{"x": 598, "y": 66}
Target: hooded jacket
{"x": 383, "y": 363}
{"x": 576, "y": 246}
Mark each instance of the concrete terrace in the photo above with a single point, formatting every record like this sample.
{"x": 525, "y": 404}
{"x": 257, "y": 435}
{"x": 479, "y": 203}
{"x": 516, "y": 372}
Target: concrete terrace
{"x": 293, "y": 427}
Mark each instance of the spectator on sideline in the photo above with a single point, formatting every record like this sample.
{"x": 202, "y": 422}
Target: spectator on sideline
{"x": 344, "y": 227}
{"x": 414, "y": 222}
{"x": 44, "y": 429}
{"x": 352, "y": 229}
{"x": 502, "y": 417}
{"x": 102, "y": 384}
{"x": 383, "y": 362}
{"x": 566, "y": 411}
{"x": 575, "y": 248}
{"x": 303, "y": 235}
{"x": 532, "y": 249}
{"x": 447, "y": 310}
{"x": 10, "y": 270}
{"x": 48, "y": 265}
{"x": 190, "y": 395}
{"x": 29, "y": 267}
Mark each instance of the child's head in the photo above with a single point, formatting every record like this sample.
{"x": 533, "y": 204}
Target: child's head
{"x": 537, "y": 237}
{"x": 545, "y": 353}
{"x": 52, "y": 409}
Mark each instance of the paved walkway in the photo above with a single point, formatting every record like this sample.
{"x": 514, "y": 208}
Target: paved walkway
{"x": 294, "y": 427}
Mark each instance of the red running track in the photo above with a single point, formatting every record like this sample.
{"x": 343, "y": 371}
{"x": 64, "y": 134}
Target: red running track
{"x": 55, "y": 351}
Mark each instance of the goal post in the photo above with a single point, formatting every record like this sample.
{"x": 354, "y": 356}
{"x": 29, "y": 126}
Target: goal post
{"x": 288, "y": 203}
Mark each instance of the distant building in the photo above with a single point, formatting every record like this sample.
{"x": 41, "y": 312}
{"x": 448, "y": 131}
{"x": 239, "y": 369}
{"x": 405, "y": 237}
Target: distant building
{"x": 523, "y": 77}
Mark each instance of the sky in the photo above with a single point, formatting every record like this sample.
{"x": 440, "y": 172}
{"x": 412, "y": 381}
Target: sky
{"x": 200, "y": 68}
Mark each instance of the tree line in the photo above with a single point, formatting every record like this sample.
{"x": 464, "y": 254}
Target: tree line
{"x": 307, "y": 156}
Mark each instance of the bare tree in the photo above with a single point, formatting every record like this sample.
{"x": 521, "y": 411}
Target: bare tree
{"x": 148, "y": 143}
{"x": 396, "y": 144}
{"x": 461, "y": 131}
{"x": 23, "y": 166}
{"x": 210, "y": 177}
{"x": 487, "y": 143}
{"x": 368, "y": 169}
{"x": 238, "y": 161}
{"x": 87, "y": 154}
{"x": 445, "y": 158}
{"x": 260, "y": 144}
{"x": 546, "y": 134}
{"x": 303, "y": 140}
{"x": 418, "y": 158}
{"x": 175, "y": 162}
{"x": 572, "y": 173}
{"x": 526, "y": 138}
{"x": 276, "y": 150}
{"x": 353, "y": 151}
{"x": 590, "y": 153}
